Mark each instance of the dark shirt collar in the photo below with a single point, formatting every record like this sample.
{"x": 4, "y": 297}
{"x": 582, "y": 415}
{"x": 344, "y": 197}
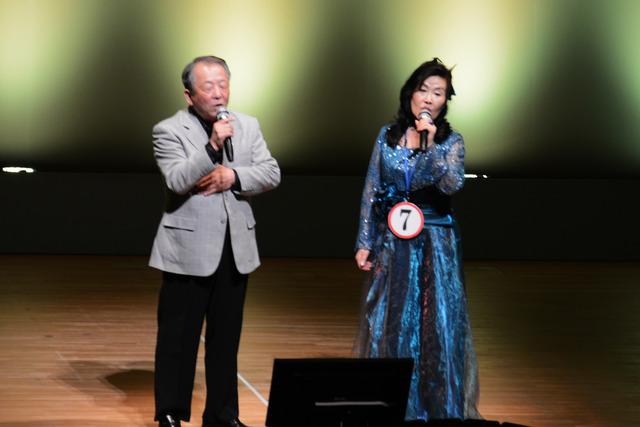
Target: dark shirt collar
{"x": 215, "y": 155}
{"x": 207, "y": 126}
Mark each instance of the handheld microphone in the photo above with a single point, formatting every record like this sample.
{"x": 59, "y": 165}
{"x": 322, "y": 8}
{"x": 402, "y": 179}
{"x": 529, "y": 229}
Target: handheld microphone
{"x": 424, "y": 114}
{"x": 223, "y": 114}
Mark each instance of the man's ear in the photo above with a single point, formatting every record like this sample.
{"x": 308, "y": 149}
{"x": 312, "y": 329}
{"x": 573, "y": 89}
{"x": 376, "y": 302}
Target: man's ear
{"x": 187, "y": 97}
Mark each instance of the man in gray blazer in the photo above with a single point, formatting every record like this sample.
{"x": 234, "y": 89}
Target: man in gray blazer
{"x": 212, "y": 162}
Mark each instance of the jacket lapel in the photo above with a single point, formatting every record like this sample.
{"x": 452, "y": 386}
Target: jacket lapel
{"x": 193, "y": 130}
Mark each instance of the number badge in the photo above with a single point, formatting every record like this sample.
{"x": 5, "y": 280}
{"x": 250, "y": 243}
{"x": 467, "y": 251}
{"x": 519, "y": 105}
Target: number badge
{"x": 405, "y": 220}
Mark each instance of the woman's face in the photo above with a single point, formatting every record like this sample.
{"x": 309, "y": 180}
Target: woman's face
{"x": 431, "y": 96}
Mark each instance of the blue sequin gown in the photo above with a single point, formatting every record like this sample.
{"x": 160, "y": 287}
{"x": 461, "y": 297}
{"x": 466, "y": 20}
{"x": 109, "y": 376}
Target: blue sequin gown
{"x": 415, "y": 304}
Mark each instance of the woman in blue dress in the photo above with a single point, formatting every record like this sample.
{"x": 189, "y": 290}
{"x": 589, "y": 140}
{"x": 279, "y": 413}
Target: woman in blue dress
{"x": 415, "y": 304}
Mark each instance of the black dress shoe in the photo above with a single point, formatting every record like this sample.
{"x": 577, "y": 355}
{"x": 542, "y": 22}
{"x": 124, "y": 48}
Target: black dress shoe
{"x": 230, "y": 423}
{"x": 168, "y": 421}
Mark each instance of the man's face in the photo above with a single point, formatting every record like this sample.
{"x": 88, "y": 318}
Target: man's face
{"x": 210, "y": 90}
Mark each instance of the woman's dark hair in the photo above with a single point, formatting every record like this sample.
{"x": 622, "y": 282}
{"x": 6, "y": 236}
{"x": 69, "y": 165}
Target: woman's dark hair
{"x": 405, "y": 117}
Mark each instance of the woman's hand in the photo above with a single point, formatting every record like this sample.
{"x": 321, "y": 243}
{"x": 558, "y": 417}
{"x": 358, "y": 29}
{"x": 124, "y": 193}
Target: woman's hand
{"x": 361, "y": 259}
{"x": 427, "y": 124}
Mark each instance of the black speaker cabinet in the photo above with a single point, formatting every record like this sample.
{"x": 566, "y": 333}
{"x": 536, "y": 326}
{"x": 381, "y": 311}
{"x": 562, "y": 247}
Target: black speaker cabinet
{"x": 339, "y": 392}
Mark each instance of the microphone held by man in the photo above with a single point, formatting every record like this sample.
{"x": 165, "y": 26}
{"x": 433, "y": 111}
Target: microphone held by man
{"x": 223, "y": 114}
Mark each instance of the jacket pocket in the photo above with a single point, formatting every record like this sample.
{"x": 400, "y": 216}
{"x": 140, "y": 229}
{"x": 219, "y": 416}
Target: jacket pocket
{"x": 181, "y": 222}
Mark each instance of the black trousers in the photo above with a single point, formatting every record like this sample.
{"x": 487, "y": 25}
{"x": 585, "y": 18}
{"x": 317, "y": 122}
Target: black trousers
{"x": 184, "y": 303}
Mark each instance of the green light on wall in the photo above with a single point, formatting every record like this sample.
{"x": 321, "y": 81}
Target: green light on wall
{"x": 320, "y": 75}
{"x": 42, "y": 45}
{"x": 621, "y": 30}
{"x": 268, "y": 46}
{"x": 498, "y": 50}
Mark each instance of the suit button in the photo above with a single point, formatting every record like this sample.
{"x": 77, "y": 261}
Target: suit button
{"x": 223, "y": 220}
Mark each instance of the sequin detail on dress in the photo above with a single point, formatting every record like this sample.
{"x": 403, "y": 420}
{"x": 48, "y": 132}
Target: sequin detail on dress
{"x": 415, "y": 303}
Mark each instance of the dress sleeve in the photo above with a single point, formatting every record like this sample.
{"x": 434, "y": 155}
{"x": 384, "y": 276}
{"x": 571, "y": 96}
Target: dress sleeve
{"x": 367, "y": 228}
{"x": 453, "y": 178}
{"x": 442, "y": 166}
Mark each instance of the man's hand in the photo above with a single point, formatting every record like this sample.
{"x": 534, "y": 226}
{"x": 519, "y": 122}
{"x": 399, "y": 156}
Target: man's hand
{"x": 222, "y": 129}
{"x": 221, "y": 179}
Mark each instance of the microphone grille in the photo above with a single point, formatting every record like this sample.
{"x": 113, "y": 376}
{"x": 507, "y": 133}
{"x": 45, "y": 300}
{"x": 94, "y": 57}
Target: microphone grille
{"x": 222, "y": 113}
{"x": 424, "y": 114}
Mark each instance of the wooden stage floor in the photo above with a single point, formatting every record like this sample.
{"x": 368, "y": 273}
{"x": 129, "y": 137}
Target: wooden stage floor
{"x": 558, "y": 343}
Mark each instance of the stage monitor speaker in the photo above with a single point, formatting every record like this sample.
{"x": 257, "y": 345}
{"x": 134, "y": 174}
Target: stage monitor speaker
{"x": 339, "y": 392}
{"x": 454, "y": 422}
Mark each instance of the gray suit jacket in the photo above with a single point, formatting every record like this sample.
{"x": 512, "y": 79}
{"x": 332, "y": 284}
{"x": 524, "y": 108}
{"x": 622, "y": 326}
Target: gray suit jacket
{"x": 191, "y": 233}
